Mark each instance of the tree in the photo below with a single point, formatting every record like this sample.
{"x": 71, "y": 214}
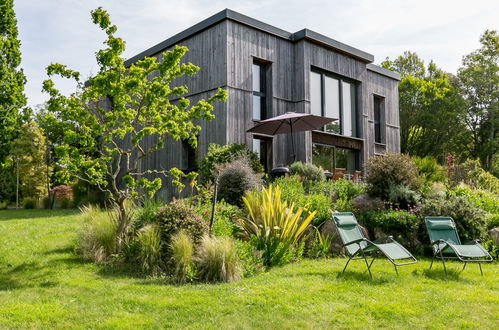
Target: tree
{"x": 431, "y": 109}
{"x": 12, "y": 79}
{"x": 479, "y": 78}
{"x": 121, "y": 116}
{"x": 28, "y": 154}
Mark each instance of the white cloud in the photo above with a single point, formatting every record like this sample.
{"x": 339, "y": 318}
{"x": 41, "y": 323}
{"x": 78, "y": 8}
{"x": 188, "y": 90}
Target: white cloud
{"x": 61, "y": 30}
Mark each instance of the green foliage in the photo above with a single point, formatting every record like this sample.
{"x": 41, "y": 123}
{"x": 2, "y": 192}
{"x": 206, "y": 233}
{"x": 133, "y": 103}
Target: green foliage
{"x": 97, "y": 240}
{"x": 250, "y": 259}
{"x": 320, "y": 245}
{"x": 342, "y": 188}
{"x": 492, "y": 220}
{"x": 176, "y": 216}
{"x": 471, "y": 173}
{"x": 396, "y": 223}
{"x": 110, "y": 115}
{"x": 491, "y": 246}
{"x": 3, "y": 205}
{"x": 234, "y": 179}
{"x": 28, "y": 153}
{"x": 292, "y": 189}
{"x": 429, "y": 170}
{"x": 273, "y": 225}
{"x": 149, "y": 248}
{"x": 479, "y": 82}
{"x": 309, "y": 173}
{"x": 8, "y": 181}
{"x": 147, "y": 213}
{"x": 384, "y": 172}
{"x": 12, "y": 78}
{"x": 432, "y": 111}
{"x": 402, "y": 196}
{"x": 319, "y": 203}
{"x": 218, "y": 155}
{"x": 225, "y": 217}
{"x": 182, "y": 257}
{"x": 217, "y": 260}
{"x": 482, "y": 199}
{"x": 470, "y": 220}
{"x": 29, "y": 203}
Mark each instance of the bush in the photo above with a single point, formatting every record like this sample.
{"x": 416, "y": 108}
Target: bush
{"x": 492, "y": 220}
{"x": 217, "y": 260}
{"x": 396, "y": 223}
{"x": 319, "y": 203}
{"x": 472, "y": 174}
{"x": 149, "y": 245}
{"x": 250, "y": 259}
{"x": 3, "y": 205}
{"x": 273, "y": 226}
{"x": 403, "y": 197}
{"x": 182, "y": 251}
{"x": 320, "y": 245}
{"x": 384, "y": 172}
{"x": 29, "y": 203}
{"x": 470, "y": 220}
{"x": 223, "y": 154}
{"x": 292, "y": 188}
{"x": 97, "y": 240}
{"x": 429, "y": 170}
{"x": 176, "y": 216}
{"x": 225, "y": 217}
{"x": 147, "y": 213}
{"x": 482, "y": 199}
{"x": 234, "y": 179}
{"x": 308, "y": 172}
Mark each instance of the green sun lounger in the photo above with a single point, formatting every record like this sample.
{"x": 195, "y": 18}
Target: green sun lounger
{"x": 446, "y": 244}
{"x": 358, "y": 247}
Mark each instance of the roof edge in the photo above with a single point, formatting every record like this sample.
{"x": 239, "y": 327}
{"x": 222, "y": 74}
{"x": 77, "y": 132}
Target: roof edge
{"x": 383, "y": 71}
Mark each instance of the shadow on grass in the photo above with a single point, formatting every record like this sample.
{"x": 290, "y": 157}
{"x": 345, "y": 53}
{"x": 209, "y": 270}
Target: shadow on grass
{"x": 439, "y": 274}
{"x": 349, "y": 275}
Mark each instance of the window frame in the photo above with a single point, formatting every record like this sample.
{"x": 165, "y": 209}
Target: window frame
{"x": 382, "y": 119}
{"x": 355, "y": 85}
{"x": 335, "y": 157}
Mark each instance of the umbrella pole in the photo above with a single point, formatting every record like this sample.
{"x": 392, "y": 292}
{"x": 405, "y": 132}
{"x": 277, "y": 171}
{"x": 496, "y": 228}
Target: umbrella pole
{"x": 292, "y": 140}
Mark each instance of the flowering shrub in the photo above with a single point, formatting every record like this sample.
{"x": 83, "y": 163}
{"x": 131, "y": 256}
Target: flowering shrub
{"x": 62, "y": 192}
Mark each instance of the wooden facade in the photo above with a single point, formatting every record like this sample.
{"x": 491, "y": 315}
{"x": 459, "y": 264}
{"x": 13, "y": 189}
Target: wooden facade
{"x": 227, "y": 44}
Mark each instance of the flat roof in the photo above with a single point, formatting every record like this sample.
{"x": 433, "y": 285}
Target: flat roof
{"x": 305, "y": 34}
{"x": 383, "y": 71}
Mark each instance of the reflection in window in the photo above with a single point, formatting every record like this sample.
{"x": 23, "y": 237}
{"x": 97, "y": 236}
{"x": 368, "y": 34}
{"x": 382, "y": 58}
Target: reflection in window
{"x": 259, "y": 85}
{"x": 335, "y": 98}
{"x": 261, "y": 146}
{"x": 331, "y": 157}
{"x": 378, "y": 119}
{"x": 189, "y": 156}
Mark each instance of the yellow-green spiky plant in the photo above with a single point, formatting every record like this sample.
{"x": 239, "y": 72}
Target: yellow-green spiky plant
{"x": 273, "y": 224}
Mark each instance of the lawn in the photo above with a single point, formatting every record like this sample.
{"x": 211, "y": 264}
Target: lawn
{"x": 44, "y": 284}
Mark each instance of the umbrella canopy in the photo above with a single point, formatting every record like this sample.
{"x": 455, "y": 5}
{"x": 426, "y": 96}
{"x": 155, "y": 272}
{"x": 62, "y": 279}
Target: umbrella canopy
{"x": 290, "y": 122}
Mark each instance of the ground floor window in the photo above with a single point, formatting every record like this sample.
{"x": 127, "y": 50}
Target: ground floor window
{"x": 262, "y": 146}
{"x": 330, "y": 157}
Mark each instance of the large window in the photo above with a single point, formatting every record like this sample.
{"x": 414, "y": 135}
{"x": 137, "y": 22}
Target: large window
{"x": 379, "y": 115}
{"x": 189, "y": 157}
{"x": 332, "y": 96}
{"x": 259, "y": 91}
{"x": 331, "y": 157}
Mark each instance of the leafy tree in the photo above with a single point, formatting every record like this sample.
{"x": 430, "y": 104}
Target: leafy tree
{"x": 431, "y": 109}
{"x": 28, "y": 153}
{"x": 122, "y": 116}
{"x": 12, "y": 79}
{"x": 479, "y": 77}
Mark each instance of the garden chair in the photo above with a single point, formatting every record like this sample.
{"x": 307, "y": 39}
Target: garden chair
{"x": 359, "y": 247}
{"x": 446, "y": 244}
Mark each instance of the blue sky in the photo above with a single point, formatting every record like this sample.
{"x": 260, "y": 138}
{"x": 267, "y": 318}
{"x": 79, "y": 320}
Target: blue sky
{"x": 61, "y": 30}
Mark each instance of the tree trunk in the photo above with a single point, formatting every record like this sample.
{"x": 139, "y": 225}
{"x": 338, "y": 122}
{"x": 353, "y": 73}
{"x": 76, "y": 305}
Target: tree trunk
{"x": 122, "y": 225}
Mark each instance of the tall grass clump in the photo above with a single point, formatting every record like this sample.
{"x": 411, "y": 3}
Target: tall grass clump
{"x": 217, "y": 260}
{"x": 97, "y": 240}
{"x": 181, "y": 248}
{"x": 149, "y": 254}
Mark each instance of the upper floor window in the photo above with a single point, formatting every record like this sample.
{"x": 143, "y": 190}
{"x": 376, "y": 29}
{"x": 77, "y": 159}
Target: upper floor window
{"x": 189, "y": 156}
{"x": 259, "y": 91}
{"x": 332, "y": 96}
{"x": 379, "y": 115}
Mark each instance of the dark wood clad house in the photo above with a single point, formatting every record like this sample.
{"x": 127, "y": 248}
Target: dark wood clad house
{"x": 267, "y": 72}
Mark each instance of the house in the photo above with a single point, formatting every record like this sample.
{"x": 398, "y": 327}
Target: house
{"x": 267, "y": 72}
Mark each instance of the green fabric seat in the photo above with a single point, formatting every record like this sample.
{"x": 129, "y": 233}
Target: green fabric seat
{"x": 446, "y": 243}
{"x": 359, "y": 247}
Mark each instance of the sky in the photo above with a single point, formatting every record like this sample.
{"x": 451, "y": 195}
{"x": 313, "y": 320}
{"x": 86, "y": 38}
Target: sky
{"x": 61, "y": 31}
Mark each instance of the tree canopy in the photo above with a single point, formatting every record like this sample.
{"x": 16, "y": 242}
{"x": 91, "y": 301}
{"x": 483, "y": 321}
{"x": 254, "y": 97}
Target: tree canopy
{"x": 107, "y": 120}
{"x": 12, "y": 78}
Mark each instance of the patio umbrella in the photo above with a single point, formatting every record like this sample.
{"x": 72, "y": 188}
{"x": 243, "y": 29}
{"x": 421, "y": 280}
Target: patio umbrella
{"x": 290, "y": 122}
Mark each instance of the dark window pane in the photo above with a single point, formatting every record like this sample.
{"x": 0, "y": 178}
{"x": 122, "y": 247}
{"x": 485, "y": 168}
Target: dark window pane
{"x": 256, "y": 78}
{"x": 323, "y": 156}
{"x": 377, "y": 119}
{"x": 346, "y": 158}
{"x": 262, "y": 147}
{"x": 315, "y": 94}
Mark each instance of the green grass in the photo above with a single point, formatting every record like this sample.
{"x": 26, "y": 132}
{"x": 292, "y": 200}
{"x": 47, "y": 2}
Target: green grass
{"x": 43, "y": 284}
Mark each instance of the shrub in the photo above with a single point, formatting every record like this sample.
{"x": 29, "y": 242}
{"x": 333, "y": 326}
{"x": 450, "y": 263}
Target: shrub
{"x": 292, "y": 189}
{"x": 383, "y": 172}
{"x": 97, "y": 240}
{"x": 46, "y": 203}
{"x": 482, "y": 199}
{"x": 176, "y": 216}
{"x": 470, "y": 220}
{"x": 234, "y": 179}
{"x": 3, "y": 205}
{"x": 491, "y": 246}
{"x": 429, "y": 170}
{"x": 62, "y": 191}
{"x": 402, "y": 196}
{"x": 225, "y": 217}
{"x": 472, "y": 174}
{"x": 29, "y": 203}
{"x": 250, "y": 259}
{"x": 308, "y": 172}
{"x": 182, "y": 261}
{"x": 396, "y": 223}
{"x": 223, "y": 154}
{"x": 149, "y": 242}
{"x": 65, "y": 203}
{"x": 272, "y": 224}
{"x": 320, "y": 245}
{"x": 319, "y": 203}
{"x": 217, "y": 260}
{"x": 343, "y": 205}
{"x": 492, "y": 220}
{"x": 147, "y": 213}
